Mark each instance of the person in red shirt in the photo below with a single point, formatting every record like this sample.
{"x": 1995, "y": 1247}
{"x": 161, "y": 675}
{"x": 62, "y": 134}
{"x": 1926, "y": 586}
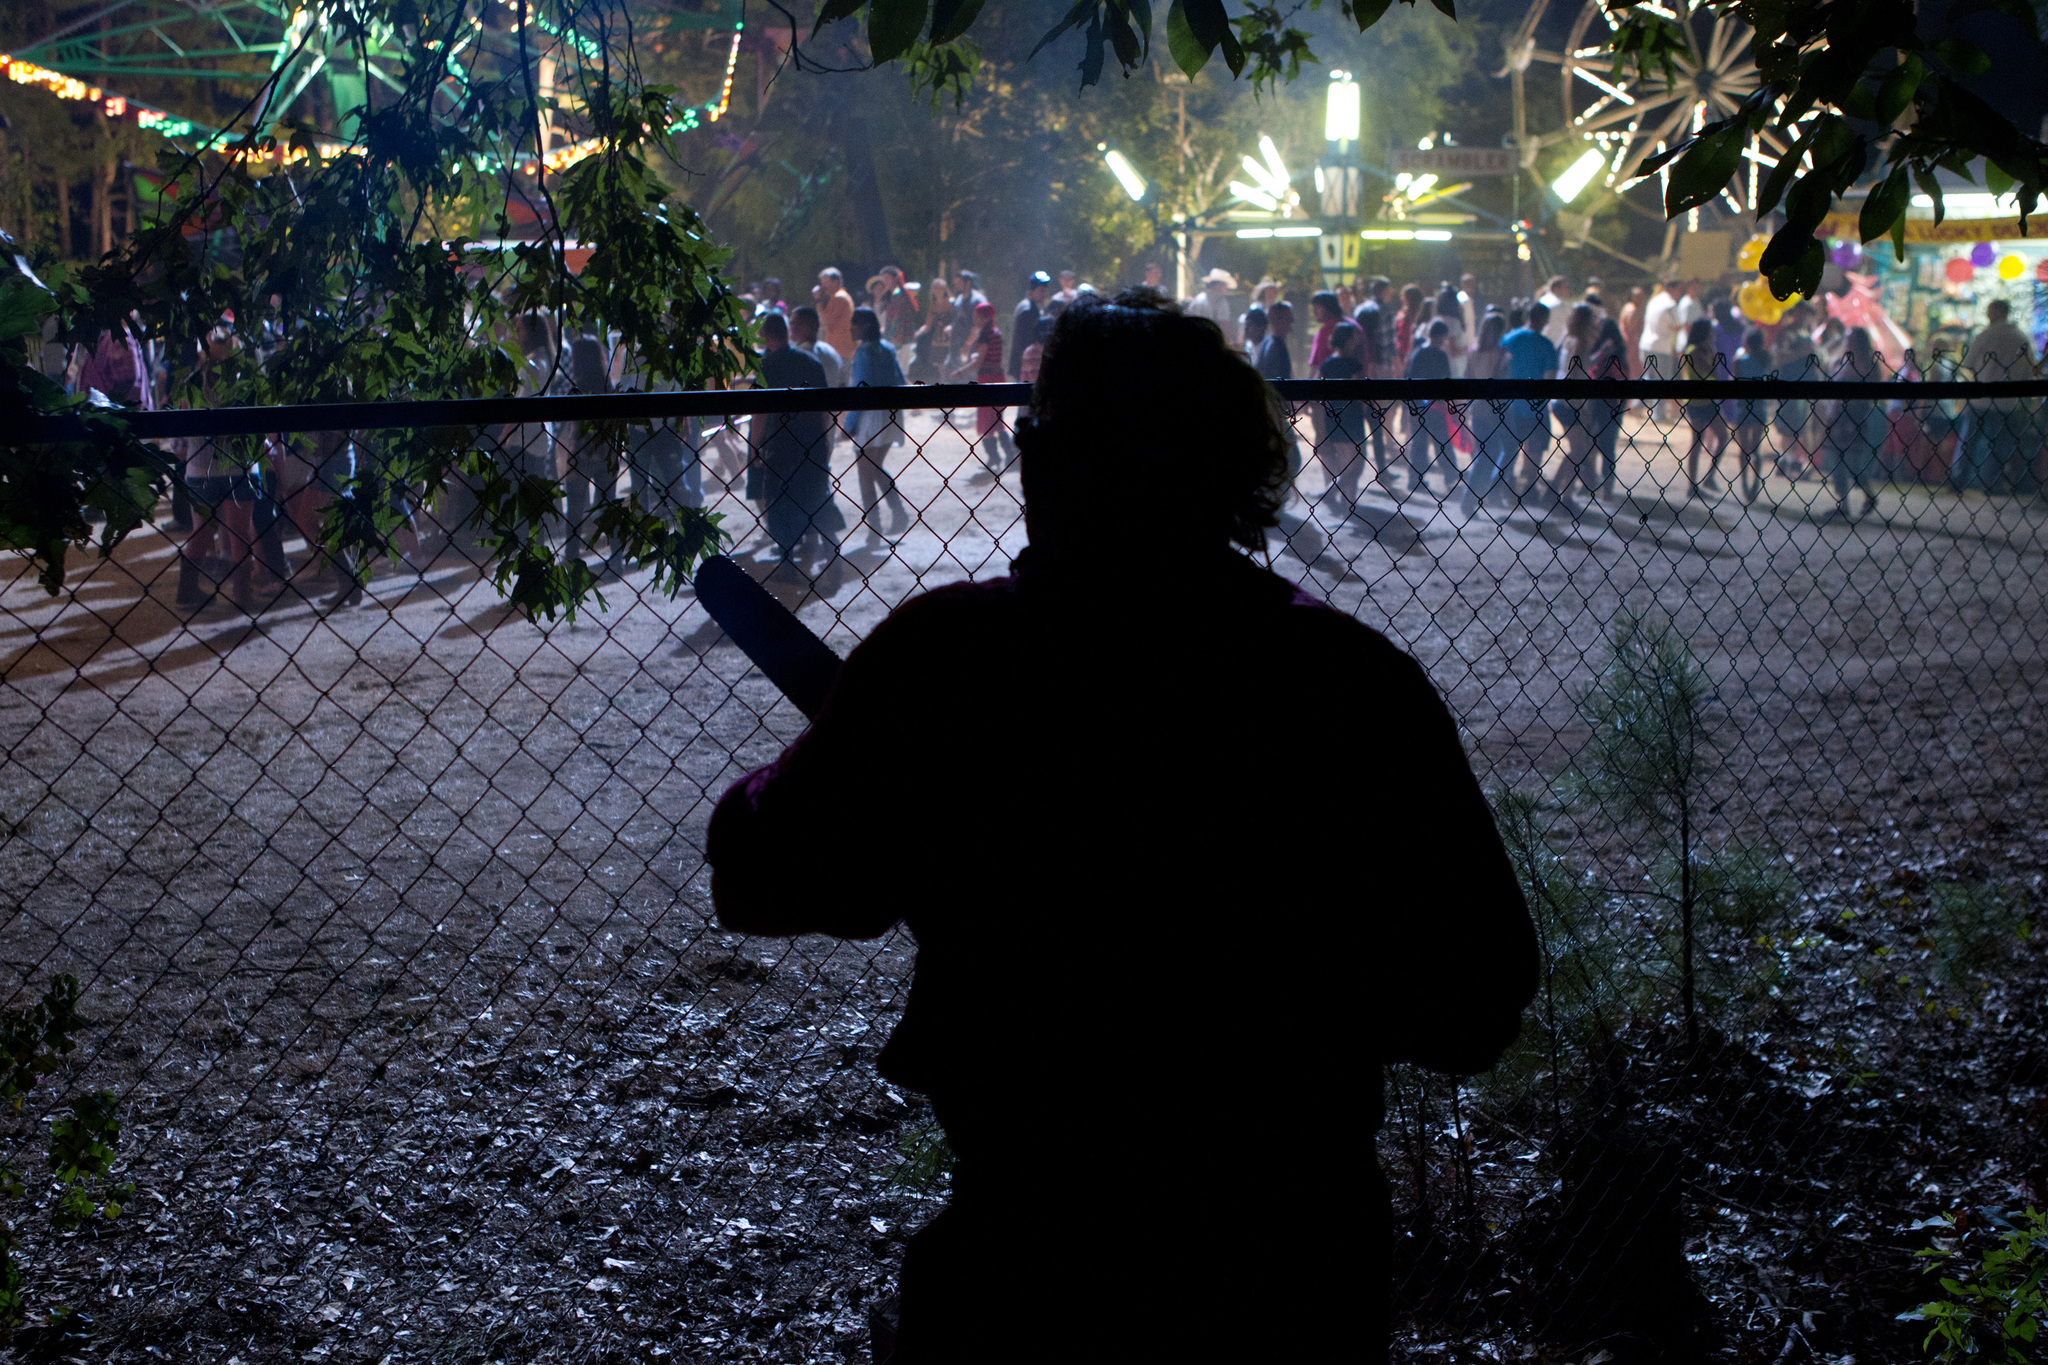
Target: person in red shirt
{"x": 1074, "y": 767}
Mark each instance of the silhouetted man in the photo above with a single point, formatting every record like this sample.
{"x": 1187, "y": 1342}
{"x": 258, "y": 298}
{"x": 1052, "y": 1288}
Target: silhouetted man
{"x": 1155, "y": 991}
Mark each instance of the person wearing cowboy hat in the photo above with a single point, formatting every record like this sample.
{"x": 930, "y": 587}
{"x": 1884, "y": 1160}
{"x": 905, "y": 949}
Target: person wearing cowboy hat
{"x": 1213, "y": 303}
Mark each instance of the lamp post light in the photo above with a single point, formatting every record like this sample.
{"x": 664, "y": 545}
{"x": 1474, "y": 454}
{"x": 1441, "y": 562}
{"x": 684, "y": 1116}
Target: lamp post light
{"x": 1340, "y": 181}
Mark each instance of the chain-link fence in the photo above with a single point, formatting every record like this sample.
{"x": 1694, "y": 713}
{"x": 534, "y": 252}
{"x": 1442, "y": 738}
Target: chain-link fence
{"x": 390, "y": 914}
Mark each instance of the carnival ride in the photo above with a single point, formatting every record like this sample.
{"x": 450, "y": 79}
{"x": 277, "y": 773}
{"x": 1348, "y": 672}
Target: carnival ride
{"x": 312, "y": 64}
{"x": 1627, "y": 117}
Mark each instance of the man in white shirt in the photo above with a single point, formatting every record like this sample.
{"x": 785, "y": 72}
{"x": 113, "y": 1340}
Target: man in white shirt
{"x": 1067, "y": 293}
{"x": 2001, "y": 353}
{"x": 1689, "y": 310}
{"x": 1213, "y": 303}
{"x": 1661, "y": 331}
{"x": 1553, "y": 297}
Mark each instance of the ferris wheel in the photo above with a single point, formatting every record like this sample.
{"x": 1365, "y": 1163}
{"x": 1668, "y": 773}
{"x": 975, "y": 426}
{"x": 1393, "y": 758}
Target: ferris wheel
{"x": 1629, "y": 117}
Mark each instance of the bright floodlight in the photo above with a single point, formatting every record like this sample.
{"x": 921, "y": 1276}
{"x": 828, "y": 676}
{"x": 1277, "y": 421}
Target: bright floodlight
{"x": 1254, "y": 196}
{"x": 1263, "y": 177}
{"x": 1272, "y": 155}
{"x": 1126, "y": 174}
{"x": 1574, "y": 181}
{"x": 1420, "y": 185}
{"x": 1340, "y": 115}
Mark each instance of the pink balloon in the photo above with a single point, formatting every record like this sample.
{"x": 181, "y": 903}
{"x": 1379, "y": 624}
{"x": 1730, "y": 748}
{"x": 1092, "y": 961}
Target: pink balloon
{"x": 1959, "y": 271}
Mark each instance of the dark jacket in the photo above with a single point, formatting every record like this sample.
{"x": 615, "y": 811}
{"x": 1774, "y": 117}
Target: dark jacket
{"x": 1023, "y": 331}
{"x": 1148, "y": 927}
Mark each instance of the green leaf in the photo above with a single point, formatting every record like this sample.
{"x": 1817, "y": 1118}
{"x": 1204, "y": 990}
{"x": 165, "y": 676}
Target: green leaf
{"x": 1704, "y": 171}
{"x": 1792, "y": 262}
{"x": 1233, "y": 53}
{"x": 1996, "y": 179}
{"x": 1930, "y": 187}
{"x": 1369, "y": 12}
{"x": 1208, "y": 22}
{"x": 1781, "y": 174}
{"x": 832, "y": 11}
{"x": 1187, "y": 50}
{"x": 1449, "y": 7}
{"x": 1123, "y": 39}
{"x": 893, "y": 25}
{"x": 952, "y": 18}
{"x": 1886, "y": 206}
{"x": 1898, "y": 88}
{"x": 1091, "y": 51}
{"x": 1141, "y": 19}
{"x": 1964, "y": 59}
{"x": 1075, "y": 18}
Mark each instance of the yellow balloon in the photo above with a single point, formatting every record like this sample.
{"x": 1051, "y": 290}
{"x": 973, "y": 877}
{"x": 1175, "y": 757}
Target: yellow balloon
{"x": 2011, "y": 267}
{"x": 1758, "y": 304}
{"x": 1752, "y": 252}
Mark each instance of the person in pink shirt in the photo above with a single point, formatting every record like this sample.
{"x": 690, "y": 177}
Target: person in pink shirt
{"x": 1326, "y": 311}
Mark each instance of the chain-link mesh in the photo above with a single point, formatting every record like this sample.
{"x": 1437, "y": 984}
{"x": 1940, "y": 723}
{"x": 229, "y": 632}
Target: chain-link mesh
{"x": 391, "y": 915}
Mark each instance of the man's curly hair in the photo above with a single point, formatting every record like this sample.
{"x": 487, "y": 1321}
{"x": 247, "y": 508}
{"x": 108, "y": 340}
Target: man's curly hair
{"x": 1140, "y": 406}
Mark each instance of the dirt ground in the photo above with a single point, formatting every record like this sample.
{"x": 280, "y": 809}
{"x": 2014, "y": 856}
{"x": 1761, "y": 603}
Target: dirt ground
{"x": 393, "y": 924}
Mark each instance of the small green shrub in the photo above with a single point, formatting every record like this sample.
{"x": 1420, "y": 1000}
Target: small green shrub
{"x": 927, "y": 1156}
{"x": 1976, "y": 927}
{"x": 82, "y": 1144}
{"x": 1589, "y": 967}
{"x": 1747, "y": 891}
{"x": 1646, "y": 766}
{"x": 1996, "y": 1302}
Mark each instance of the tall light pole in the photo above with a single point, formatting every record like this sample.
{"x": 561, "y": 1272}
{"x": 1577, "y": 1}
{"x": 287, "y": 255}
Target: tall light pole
{"x": 1340, "y": 181}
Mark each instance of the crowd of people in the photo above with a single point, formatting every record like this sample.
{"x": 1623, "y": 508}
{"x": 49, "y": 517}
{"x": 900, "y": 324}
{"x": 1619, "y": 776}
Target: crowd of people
{"x": 1488, "y": 456}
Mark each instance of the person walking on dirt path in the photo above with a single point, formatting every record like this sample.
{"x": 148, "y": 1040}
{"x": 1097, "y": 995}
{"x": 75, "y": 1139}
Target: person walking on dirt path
{"x": 1024, "y": 321}
{"x": 877, "y": 430}
{"x": 1700, "y": 361}
{"x": 1343, "y": 423}
{"x": 835, "y": 310}
{"x": 1429, "y": 421}
{"x": 2000, "y": 353}
{"x": 798, "y": 510}
{"x": 982, "y": 363}
{"x": 1375, "y": 320}
{"x": 1063, "y": 950}
{"x": 1853, "y": 429}
{"x": 1530, "y": 355}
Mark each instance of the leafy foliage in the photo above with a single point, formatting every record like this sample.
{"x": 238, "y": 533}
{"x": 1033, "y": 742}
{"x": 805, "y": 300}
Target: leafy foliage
{"x": 1849, "y": 80}
{"x": 383, "y": 272}
{"x": 1850, "y": 84}
{"x": 33, "y": 1041}
{"x": 82, "y": 1146}
{"x": 48, "y": 487}
{"x": 1997, "y": 1305}
{"x": 1976, "y": 926}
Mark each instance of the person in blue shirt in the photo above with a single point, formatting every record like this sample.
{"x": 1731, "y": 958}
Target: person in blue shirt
{"x": 1276, "y": 361}
{"x": 1530, "y": 355}
{"x": 876, "y": 430}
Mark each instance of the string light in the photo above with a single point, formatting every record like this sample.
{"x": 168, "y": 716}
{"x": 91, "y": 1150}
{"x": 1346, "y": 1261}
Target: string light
{"x": 171, "y": 126}
{"x": 732, "y": 59}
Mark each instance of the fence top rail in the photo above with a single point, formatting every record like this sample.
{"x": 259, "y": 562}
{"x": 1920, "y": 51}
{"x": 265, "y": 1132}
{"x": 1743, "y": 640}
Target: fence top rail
{"x": 641, "y": 408}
